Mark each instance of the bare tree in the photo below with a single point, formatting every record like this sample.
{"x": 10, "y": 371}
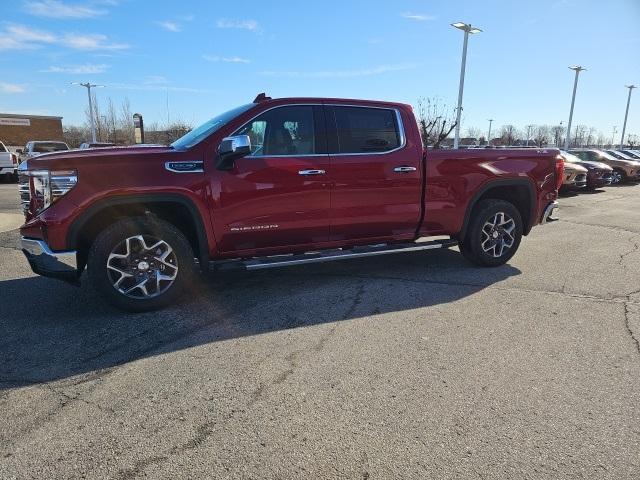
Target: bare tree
{"x": 541, "y": 135}
{"x": 474, "y": 132}
{"x": 125, "y": 123}
{"x": 558, "y": 132}
{"x": 436, "y": 121}
{"x": 509, "y": 134}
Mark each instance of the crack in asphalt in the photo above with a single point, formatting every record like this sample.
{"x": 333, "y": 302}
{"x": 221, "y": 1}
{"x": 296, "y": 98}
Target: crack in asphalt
{"x": 609, "y": 227}
{"x": 205, "y": 430}
{"x": 627, "y": 324}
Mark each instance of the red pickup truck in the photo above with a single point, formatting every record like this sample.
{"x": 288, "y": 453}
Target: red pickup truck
{"x": 272, "y": 183}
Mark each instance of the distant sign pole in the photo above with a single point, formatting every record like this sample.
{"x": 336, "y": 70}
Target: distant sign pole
{"x": 138, "y": 127}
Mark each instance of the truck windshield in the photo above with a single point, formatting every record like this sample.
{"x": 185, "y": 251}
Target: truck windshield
{"x": 196, "y": 135}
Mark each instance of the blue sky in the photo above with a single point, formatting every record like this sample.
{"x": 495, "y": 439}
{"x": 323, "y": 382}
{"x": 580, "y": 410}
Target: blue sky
{"x": 208, "y": 56}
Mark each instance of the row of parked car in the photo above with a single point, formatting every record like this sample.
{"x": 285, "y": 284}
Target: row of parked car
{"x": 589, "y": 168}
{"x": 9, "y": 161}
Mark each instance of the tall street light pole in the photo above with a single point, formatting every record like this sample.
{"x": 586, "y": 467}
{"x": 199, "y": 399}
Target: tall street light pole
{"x": 489, "y": 134}
{"x": 577, "y": 69}
{"x": 467, "y": 28}
{"x": 88, "y": 86}
{"x": 626, "y": 114}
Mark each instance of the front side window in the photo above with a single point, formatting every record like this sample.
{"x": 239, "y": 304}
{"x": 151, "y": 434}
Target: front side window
{"x": 366, "y": 130}
{"x": 282, "y": 131}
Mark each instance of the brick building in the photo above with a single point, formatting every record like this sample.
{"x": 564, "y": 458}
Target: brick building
{"x": 17, "y": 130}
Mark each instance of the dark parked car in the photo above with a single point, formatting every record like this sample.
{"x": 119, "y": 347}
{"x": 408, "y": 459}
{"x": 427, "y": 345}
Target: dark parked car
{"x": 635, "y": 154}
{"x": 598, "y": 174}
{"x": 623, "y": 170}
{"x": 620, "y": 155}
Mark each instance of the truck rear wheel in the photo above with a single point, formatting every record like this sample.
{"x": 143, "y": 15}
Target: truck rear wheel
{"x": 141, "y": 263}
{"x": 493, "y": 234}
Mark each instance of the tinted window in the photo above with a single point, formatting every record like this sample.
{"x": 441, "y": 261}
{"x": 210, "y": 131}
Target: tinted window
{"x": 364, "y": 130}
{"x": 46, "y": 147}
{"x": 203, "y": 131}
{"x": 282, "y": 131}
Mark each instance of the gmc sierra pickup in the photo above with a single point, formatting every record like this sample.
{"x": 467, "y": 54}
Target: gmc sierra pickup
{"x": 275, "y": 183}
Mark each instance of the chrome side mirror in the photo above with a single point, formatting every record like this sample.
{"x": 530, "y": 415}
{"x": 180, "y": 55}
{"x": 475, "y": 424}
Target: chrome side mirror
{"x": 232, "y": 148}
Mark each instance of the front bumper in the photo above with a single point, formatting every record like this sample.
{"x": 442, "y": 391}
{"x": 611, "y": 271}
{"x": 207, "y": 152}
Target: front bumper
{"x": 8, "y": 170}
{"x": 43, "y": 261}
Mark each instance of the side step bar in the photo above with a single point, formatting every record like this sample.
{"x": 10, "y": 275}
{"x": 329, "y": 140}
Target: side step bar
{"x": 259, "y": 263}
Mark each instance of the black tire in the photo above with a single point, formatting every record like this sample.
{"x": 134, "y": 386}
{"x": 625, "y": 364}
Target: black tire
{"x": 180, "y": 264}
{"x": 472, "y": 245}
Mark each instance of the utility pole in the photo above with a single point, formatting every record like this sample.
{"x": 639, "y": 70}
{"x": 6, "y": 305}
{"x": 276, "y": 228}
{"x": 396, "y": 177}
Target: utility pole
{"x": 577, "y": 69}
{"x": 615, "y": 130}
{"x": 88, "y": 86}
{"x": 626, "y": 114}
{"x": 467, "y": 28}
{"x": 489, "y": 134}
{"x": 528, "y": 134}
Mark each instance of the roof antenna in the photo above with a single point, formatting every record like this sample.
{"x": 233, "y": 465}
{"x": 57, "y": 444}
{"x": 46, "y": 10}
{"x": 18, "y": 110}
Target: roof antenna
{"x": 262, "y": 97}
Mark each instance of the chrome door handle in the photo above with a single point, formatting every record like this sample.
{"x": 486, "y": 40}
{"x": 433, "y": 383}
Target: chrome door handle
{"x": 404, "y": 169}
{"x": 311, "y": 172}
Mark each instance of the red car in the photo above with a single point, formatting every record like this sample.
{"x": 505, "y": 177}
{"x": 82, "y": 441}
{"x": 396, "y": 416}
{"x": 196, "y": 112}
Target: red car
{"x": 274, "y": 183}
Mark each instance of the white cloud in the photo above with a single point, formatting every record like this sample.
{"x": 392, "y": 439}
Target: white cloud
{"x": 251, "y": 25}
{"x": 169, "y": 26}
{"x": 78, "y": 69}
{"x": 58, "y": 9}
{"x": 155, "y": 88}
{"x": 93, "y": 41}
{"x": 21, "y": 37}
{"x": 417, "y": 16}
{"x": 11, "y": 88}
{"x": 215, "y": 58}
{"x": 367, "y": 72}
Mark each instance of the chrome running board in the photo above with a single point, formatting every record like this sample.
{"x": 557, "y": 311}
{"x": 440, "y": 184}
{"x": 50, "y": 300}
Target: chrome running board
{"x": 259, "y": 263}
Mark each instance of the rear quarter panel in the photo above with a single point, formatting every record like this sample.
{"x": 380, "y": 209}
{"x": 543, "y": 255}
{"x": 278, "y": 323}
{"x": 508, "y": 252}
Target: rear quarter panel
{"x": 457, "y": 178}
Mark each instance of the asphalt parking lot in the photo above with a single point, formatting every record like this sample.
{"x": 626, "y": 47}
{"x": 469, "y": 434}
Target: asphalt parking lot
{"x": 409, "y": 366}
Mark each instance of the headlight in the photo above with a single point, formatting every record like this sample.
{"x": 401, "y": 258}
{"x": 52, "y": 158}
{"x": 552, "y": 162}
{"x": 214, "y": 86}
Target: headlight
{"x": 46, "y": 187}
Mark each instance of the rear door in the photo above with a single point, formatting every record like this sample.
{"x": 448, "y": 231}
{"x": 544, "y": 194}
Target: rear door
{"x": 278, "y": 196}
{"x": 375, "y": 173}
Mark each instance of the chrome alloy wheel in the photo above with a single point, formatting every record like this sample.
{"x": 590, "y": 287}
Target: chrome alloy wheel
{"x": 497, "y": 234}
{"x": 616, "y": 177}
{"x": 142, "y": 267}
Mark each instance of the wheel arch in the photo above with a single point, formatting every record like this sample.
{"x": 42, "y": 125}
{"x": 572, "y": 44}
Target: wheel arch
{"x": 177, "y": 209}
{"x": 518, "y": 191}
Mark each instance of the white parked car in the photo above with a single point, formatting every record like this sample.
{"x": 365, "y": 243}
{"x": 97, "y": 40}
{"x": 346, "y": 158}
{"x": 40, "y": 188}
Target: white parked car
{"x": 38, "y": 147}
{"x": 8, "y": 163}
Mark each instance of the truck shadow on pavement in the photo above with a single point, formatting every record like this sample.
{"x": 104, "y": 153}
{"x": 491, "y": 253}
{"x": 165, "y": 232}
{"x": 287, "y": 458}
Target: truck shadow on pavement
{"x": 51, "y": 331}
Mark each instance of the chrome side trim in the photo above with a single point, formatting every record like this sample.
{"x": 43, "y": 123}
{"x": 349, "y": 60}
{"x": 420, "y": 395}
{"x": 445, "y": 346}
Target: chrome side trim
{"x": 48, "y": 260}
{"x": 401, "y": 131}
{"x": 330, "y": 255}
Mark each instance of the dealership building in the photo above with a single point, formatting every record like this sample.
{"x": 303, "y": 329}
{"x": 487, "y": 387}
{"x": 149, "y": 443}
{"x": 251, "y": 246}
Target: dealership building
{"x": 16, "y": 130}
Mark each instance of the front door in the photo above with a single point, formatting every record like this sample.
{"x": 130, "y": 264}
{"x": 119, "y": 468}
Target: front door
{"x": 278, "y": 196}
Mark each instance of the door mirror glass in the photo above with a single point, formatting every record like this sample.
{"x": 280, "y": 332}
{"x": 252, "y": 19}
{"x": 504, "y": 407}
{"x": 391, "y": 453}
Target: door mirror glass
{"x": 232, "y": 148}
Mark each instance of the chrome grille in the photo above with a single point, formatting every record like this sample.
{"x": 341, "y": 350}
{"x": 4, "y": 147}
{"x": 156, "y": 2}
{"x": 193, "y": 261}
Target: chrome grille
{"x": 25, "y": 192}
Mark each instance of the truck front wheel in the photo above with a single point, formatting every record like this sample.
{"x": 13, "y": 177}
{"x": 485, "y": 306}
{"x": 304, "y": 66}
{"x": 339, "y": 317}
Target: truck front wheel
{"x": 494, "y": 233}
{"x": 141, "y": 263}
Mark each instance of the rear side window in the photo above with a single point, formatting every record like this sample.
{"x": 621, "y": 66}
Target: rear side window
{"x": 366, "y": 130}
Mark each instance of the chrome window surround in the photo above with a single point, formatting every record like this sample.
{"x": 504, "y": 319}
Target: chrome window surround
{"x": 401, "y": 131}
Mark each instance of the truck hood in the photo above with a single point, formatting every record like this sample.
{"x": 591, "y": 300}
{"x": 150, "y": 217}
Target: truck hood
{"x": 72, "y": 158}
